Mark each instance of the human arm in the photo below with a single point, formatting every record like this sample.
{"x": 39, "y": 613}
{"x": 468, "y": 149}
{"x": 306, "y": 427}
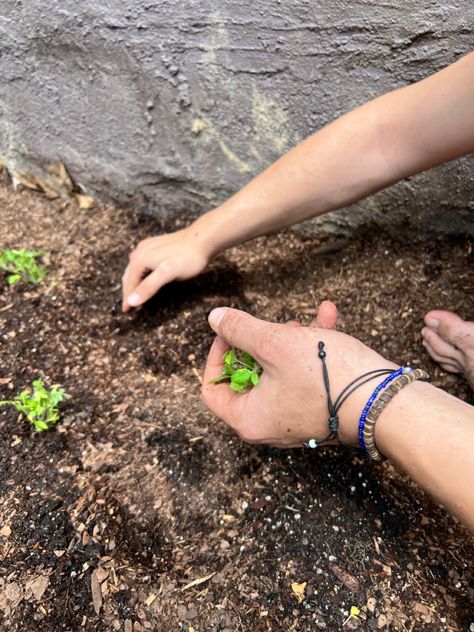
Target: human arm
{"x": 423, "y": 430}
{"x": 401, "y": 133}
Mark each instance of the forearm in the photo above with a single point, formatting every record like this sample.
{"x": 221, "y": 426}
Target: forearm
{"x": 401, "y": 133}
{"x": 430, "y": 435}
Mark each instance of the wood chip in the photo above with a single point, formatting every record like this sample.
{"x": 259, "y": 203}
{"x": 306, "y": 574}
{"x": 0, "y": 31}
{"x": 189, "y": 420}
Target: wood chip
{"x": 150, "y": 599}
{"x": 96, "y": 592}
{"x": 38, "y": 586}
{"x": 196, "y": 582}
{"x": 346, "y": 578}
{"x": 5, "y": 531}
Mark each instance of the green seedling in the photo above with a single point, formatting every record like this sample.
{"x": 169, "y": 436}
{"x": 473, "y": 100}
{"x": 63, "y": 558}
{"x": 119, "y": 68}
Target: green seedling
{"x": 240, "y": 370}
{"x": 22, "y": 265}
{"x": 40, "y": 406}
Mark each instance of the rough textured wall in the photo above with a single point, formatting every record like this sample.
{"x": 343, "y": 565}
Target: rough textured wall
{"x": 176, "y": 105}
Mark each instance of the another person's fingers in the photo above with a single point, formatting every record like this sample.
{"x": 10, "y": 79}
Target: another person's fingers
{"x": 131, "y": 279}
{"x": 151, "y": 284}
{"x": 243, "y": 331}
{"x": 326, "y": 317}
{"x": 293, "y": 323}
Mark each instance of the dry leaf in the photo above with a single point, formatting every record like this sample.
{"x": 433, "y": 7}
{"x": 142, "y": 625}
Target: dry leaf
{"x": 84, "y": 201}
{"x": 26, "y": 180}
{"x": 298, "y": 590}
{"x": 58, "y": 182}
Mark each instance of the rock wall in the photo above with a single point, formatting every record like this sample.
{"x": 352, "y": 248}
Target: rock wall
{"x": 174, "y": 106}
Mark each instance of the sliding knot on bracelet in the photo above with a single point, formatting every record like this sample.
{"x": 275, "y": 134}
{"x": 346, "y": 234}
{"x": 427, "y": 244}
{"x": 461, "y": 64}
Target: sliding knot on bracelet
{"x": 333, "y": 407}
{"x": 333, "y": 423}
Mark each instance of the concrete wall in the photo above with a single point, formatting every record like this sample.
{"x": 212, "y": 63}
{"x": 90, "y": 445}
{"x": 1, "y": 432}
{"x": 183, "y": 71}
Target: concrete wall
{"x": 176, "y": 105}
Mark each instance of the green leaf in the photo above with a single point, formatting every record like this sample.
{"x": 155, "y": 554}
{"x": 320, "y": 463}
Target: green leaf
{"x": 242, "y": 376}
{"x": 13, "y": 278}
{"x": 238, "y": 388}
{"x": 248, "y": 360}
{"x": 230, "y": 357}
{"x": 40, "y": 425}
{"x": 255, "y": 379}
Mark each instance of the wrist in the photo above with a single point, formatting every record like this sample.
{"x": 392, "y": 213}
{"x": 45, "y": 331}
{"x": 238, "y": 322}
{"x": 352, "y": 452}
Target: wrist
{"x": 208, "y": 231}
{"x": 352, "y": 409}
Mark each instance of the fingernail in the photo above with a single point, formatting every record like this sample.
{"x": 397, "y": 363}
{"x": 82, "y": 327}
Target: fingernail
{"x": 431, "y": 322}
{"x": 216, "y": 316}
{"x": 134, "y": 299}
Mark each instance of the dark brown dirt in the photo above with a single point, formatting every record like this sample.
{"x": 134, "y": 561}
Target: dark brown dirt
{"x": 140, "y": 491}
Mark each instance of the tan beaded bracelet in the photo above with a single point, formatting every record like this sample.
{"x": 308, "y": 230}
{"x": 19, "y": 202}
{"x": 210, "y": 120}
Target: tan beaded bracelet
{"x": 378, "y": 406}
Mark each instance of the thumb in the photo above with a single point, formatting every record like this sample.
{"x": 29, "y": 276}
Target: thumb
{"x": 150, "y": 285}
{"x": 239, "y": 329}
{"x": 326, "y": 318}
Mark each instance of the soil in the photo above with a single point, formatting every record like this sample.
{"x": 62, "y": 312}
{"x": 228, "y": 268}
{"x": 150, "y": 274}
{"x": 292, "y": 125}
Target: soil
{"x": 142, "y": 511}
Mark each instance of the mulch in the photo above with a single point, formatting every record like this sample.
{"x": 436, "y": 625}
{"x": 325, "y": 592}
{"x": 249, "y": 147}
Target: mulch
{"x": 142, "y": 511}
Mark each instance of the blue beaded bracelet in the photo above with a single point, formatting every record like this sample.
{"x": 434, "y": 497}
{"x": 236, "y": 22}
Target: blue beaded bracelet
{"x": 373, "y": 397}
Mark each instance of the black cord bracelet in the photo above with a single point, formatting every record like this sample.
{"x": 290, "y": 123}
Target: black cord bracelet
{"x": 334, "y": 407}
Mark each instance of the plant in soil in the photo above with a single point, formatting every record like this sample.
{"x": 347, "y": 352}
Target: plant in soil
{"x": 22, "y": 265}
{"x": 40, "y": 406}
{"x": 240, "y": 370}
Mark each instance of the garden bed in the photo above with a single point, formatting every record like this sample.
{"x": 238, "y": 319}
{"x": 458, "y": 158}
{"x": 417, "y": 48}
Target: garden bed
{"x": 142, "y": 511}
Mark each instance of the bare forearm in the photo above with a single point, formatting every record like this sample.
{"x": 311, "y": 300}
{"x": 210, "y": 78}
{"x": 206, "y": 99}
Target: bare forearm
{"x": 430, "y": 434}
{"x": 396, "y": 135}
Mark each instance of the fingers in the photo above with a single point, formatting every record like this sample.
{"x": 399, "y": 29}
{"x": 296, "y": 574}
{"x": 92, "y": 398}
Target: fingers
{"x": 243, "y": 331}
{"x": 326, "y": 317}
{"x": 217, "y": 397}
{"x": 138, "y": 290}
{"x": 131, "y": 278}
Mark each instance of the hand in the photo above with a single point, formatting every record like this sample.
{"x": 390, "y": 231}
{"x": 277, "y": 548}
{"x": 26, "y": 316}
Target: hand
{"x": 159, "y": 260}
{"x": 289, "y": 406}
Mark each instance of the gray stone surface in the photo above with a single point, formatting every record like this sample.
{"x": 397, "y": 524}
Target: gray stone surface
{"x": 174, "y": 106}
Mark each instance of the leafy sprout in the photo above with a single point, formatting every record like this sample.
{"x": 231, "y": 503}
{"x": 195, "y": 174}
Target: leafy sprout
{"x": 40, "y": 406}
{"x": 22, "y": 265}
{"x": 240, "y": 370}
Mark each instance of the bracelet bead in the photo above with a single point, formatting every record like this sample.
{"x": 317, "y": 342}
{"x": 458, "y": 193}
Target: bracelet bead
{"x": 372, "y": 416}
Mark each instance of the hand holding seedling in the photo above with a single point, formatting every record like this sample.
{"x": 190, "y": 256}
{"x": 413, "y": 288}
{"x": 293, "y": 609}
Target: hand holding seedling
{"x": 240, "y": 371}
{"x": 40, "y": 406}
{"x": 289, "y": 406}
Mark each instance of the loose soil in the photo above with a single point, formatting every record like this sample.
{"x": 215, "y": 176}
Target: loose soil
{"x": 142, "y": 511}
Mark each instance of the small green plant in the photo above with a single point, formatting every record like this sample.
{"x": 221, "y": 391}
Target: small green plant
{"x": 39, "y": 406}
{"x": 240, "y": 370}
{"x": 23, "y": 266}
